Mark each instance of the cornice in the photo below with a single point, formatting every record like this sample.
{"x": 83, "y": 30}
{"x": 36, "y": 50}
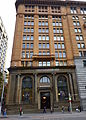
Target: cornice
{"x": 50, "y": 2}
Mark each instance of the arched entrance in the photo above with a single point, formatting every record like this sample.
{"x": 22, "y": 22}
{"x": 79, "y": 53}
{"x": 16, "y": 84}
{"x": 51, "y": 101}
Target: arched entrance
{"x": 44, "y": 93}
{"x": 27, "y": 90}
{"x": 62, "y": 88}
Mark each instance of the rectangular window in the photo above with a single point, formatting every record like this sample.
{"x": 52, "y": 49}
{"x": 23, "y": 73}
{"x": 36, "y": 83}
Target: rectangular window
{"x": 84, "y": 53}
{"x": 47, "y": 37}
{"x": 43, "y": 37}
{"x": 57, "y": 63}
{"x": 59, "y": 46}
{"x": 24, "y": 37}
{"x": 78, "y": 45}
{"x": 81, "y": 37}
{"x": 31, "y": 45}
{"x": 56, "y": 54}
{"x": 25, "y": 23}
{"x": 23, "y": 54}
{"x": 80, "y": 53}
{"x": 64, "y": 54}
{"x": 82, "y": 45}
{"x": 28, "y": 37}
{"x": 77, "y": 37}
{"x": 55, "y": 45}
{"x": 31, "y": 54}
{"x": 84, "y": 63}
{"x": 47, "y": 45}
{"x": 40, "y": 53}
{"x": 44, "y": 63}
{"x": 23, "y": 45}
{"x": 63, "y": 46}
{"x": 27, "y": 54}
{"x": 40, "y": 63}
{"x": 48, "y": 63}
{"x": 39, "y": 45}
{"x": 60, "y": 54}
{"x": 39, "y": 37}
{"x": 32, "y": 37}
{"x": 27, "y": 45}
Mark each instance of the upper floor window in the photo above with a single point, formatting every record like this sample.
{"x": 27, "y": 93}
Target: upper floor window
{"x": 73, "y": 10}
{"x": 77, "y": 30}
{"x": 76, "y": 23}
{"x": 83, "y": 10}
{"x": 79, "y": 37}
{"x": 75, "y": 17}
{"x": 45, "y": 80}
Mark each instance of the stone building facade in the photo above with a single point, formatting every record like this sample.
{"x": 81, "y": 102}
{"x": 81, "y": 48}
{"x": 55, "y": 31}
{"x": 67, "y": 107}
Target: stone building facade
{"x": 49, "y": 35}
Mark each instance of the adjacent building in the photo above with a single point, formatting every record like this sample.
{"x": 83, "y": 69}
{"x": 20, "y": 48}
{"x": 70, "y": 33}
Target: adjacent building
{"x": 3, "y": 45}
{"x": 49, "y": 42}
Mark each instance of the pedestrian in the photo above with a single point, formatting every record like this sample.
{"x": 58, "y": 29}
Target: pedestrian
{"x": 68, "y": 108}
{"x": 62, "y": 109}
{"x": 5, "y": 112}
{"x": 20, "y": 111}
{"x": 44, "y": 111}
{"x": 51, "y": 109}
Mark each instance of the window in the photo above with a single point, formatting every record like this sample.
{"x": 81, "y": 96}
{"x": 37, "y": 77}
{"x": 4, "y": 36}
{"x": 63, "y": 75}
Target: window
{"x": 28, "y": 37}
{"x": 78, "y": 45}
{"x": 56, "y": 54}
{"x": 23, "y": 54}
{"x": 40, "y": 63}
{"x": 45, "y": 80}
{"x": 31, "y": 54}
{"x": 48, "y": 63}
{"x": 59, "y": 46}
{"x": 25, "y": 22}
{"x": 27, "y": 54}
{"x": 55, "y": 45}
{"x": 64, "y": 54}
{"x": 44, "y": 63}
{"x": 84, "y": 53}
{"x": 39, "y": 37}
{"x": 27, "y": 45}
{"x": 47, "y": 37}
{"x": 77, "y": 30}
{"x": 24, "y": 37}
{"x": 43, "y": 37}
{"x": 39, "y": 45}
{"x": 80, "y": 53}
{"x": 47, "y": 45}
{"x": 32, "y": 37}
{"x": 40, "y": 53}
{"x": 23, "y": 45}
{"x": 60, "y": 54}
{"x": 82, "y": 45}
{"x": 57, "y": 63}
{"x": 83, "y": 10}
{"x": 31, "y": 45}
{"x": 81, "y": 37}
{"x": 84, "y": 63}
{"x": 73, "y": 10}
{"x": 43, "y": 45}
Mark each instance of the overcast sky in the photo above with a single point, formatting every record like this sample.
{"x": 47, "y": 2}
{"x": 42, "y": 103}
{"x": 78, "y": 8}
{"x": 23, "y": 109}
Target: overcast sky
{"x": 8, "y": 15}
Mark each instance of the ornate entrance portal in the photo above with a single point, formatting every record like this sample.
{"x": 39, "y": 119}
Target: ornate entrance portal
{"x": 45, "y": 100}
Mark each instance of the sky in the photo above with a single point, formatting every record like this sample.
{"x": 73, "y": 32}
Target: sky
{"x": 8, "y": 15}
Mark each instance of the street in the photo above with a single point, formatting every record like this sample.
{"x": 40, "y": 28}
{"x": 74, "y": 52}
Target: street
{"x": 48, "y": 116}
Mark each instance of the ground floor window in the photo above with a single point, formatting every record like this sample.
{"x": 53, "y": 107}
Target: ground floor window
{"x": 27, "y": 90}
{"x": 62, "y": 88}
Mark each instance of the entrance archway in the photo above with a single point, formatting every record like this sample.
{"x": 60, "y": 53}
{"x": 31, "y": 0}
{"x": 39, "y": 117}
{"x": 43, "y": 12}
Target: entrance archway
{"x": 45, "y": 100}
{"x": 62, "y": 88}
{"x": 27, "y": 90}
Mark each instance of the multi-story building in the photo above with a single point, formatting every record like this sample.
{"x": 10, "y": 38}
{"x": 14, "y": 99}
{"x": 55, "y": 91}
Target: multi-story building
{"x": 3, "y": 45}
{"x": 49, "y": 40}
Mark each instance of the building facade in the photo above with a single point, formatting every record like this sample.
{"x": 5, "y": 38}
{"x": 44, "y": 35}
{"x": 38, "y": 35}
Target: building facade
{"x": 3, "y": 45}
{"x": 49, "y": 37}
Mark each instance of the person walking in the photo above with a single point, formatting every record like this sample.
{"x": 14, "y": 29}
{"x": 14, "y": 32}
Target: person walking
{"x": 62, "y": 109}
{"x": 20, "y": 111}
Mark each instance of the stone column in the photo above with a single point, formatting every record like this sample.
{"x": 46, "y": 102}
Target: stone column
{"x": 56, "y": 89}
{"x": 18, "y": 96}
{"x": 35, "y": 89}
{"x": 71, "y": 85}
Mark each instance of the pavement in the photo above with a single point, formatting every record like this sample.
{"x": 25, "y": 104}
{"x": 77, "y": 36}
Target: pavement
{"x": 47, "y": 116}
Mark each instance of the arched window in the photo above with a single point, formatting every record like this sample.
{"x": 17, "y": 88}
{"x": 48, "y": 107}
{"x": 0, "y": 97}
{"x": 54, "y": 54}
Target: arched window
{"x": 62, "y": 88}
{"x": 45, "y": 80}
{"x": 27, "y": 90}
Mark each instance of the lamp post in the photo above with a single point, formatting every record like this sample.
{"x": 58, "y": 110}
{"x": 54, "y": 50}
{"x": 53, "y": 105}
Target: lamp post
{"x": 2, "y": 95}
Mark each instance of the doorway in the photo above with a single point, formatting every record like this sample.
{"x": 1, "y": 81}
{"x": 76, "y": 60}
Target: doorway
{"x": 45, "y": 100}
